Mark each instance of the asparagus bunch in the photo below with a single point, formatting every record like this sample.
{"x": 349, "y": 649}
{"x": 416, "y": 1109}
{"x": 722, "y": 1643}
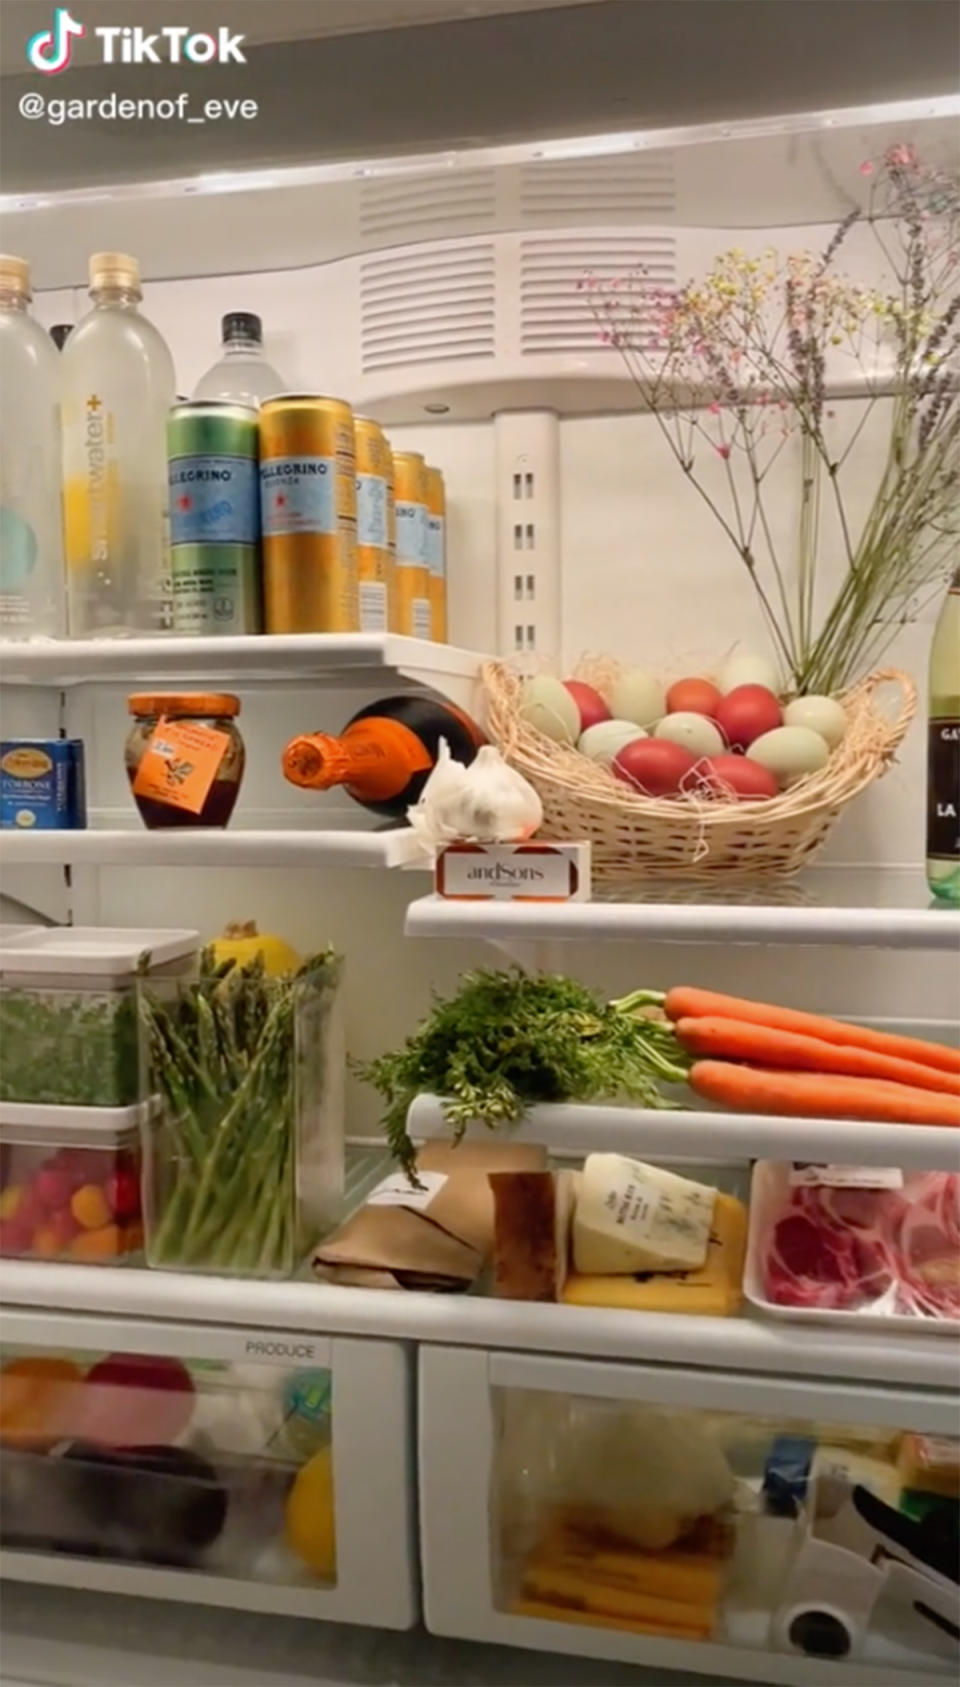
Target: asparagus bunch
{"x": 223, "y": 1056}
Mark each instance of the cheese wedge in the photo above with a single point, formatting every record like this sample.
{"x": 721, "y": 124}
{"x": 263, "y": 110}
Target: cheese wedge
{"x": 633, "y": 1217}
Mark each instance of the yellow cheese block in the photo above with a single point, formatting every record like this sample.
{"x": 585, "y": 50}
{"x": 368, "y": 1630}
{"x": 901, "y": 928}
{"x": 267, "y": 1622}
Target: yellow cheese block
{"x": 605, "y": 1619}
{"x": 715, "y": 1289}
{"x": 684, "y": 1574}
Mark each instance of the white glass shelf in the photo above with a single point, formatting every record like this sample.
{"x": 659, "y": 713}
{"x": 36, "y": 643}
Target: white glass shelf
{"x": 585, "y": 1128}
{"x": 730, "y": 1344}
{"x": 330, "y": 659}
{"x": 889, "y": 908}
{"x": 233, "y": 847}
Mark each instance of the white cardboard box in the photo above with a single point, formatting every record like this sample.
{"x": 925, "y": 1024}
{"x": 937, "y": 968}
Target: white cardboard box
{"x": 537, "y": 871}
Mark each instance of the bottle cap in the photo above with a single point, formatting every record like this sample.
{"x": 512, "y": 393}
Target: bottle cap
{"x": 114, "y": 269}
{"x": 60, "y": 334}
{"x": 316, "y": 760}
{"x": 242, "y": 325}
{"x": 15, "y": 276}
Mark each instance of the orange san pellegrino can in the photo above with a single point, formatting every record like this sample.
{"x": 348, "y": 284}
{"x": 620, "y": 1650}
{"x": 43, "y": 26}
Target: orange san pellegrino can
{"x": 308, "y": 508}
{"x": 437, "y": 552}
{"x": 413, "y": 577}
{"x": 374, "y": 562}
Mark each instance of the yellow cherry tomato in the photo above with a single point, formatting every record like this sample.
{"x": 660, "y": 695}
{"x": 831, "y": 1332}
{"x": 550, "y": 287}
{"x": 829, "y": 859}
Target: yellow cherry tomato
{"x": 90, "y": 1207}
{"x": 10, "y": 1200}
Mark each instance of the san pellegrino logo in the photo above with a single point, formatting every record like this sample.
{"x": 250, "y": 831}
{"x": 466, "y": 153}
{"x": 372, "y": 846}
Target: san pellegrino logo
{"x": 49, "y": 51}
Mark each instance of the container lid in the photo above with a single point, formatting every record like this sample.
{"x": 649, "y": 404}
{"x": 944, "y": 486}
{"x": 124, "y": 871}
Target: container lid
{"x": 15, "y": 276}
{"x": 183, "y": 703}
{"x": 110, "y": 952}
{"x": 30, "y": 1123}
{"x": 242, "y": 325}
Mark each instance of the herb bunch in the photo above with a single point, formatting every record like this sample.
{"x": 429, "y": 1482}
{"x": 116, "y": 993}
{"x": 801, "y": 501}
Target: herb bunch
{"x": 507, "y": 1040}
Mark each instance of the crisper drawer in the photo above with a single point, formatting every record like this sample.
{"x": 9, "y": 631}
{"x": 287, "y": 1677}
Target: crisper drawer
{"x": 254, "y": 1468}
{"x": 770, "y": 1530}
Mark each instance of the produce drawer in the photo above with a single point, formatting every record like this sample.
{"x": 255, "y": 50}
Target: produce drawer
{"x": 258, "y": 1468}
{"x": 734, "y": 1525}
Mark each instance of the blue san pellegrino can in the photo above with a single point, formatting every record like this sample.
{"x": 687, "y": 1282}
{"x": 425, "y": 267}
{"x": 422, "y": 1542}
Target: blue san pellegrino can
{"x": 213, "y": 460}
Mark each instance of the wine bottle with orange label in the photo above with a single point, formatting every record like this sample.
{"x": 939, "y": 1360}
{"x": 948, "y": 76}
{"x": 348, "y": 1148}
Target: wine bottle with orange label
{"x": 385, "y": 754}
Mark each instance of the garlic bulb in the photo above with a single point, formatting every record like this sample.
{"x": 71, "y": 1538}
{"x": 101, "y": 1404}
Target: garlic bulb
{"x": 487, "y": 802}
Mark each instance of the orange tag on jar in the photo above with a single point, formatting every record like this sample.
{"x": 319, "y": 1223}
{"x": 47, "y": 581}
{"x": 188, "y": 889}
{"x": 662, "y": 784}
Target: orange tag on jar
{"x": 180, "y": 763}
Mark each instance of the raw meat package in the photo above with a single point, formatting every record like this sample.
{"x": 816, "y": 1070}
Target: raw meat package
{"x": 831, "y": 1243}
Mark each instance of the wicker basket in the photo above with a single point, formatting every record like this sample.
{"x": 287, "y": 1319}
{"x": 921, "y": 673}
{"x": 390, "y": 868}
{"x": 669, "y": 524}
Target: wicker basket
{"x": 696, "y": 836}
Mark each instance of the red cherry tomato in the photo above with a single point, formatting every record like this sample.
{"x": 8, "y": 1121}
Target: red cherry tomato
{"x": 123, "y": 1193}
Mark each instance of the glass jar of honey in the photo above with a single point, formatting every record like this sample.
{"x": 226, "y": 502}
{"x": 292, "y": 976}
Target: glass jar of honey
{"x": 184, "y": 757}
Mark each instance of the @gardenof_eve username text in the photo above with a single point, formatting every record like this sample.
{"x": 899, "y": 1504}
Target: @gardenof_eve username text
{"x": 58, "y": 110}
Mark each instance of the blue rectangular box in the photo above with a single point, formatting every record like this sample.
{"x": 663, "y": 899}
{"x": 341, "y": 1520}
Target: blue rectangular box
{"x": 42, "y": 785}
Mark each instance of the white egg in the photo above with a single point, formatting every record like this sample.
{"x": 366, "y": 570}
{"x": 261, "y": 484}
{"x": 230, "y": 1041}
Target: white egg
{"x": 790, "y": 752}
{"x": 695, "y": 732}
{"x": 638, "y": 696}
{"x": 601, "y": 742}
{"x": 745, "y": 667}
{"x": 821, "y": 714}
{"x": 548, "y": 706}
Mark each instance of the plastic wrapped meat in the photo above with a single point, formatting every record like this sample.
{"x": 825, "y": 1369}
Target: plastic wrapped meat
{"x": 879, "y": 1250}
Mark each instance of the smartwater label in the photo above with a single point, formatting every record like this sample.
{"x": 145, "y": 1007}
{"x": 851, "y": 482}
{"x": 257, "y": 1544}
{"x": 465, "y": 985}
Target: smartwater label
{"x": 411, "y": 534}
{"x": 372, "y": 510}
{"x": 214, "y": 500}
{"x": 435, "y": 545}
{"x": 298, "y": 495}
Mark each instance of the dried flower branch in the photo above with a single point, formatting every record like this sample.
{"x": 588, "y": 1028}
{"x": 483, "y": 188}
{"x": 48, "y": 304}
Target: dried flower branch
{"x": 735, "y": 367}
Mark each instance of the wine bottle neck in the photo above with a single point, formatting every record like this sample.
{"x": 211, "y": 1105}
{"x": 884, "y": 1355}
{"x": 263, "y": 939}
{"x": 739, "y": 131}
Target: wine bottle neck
{"x": 375, "y": 759}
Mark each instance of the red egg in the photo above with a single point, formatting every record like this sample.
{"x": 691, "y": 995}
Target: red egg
{"x": 653, "y": 766}
{"x": 693, "y": 697}
{"x": 747, "y": 713}
{"x": 736, "y": 777}
{"x": 592, "y": 707}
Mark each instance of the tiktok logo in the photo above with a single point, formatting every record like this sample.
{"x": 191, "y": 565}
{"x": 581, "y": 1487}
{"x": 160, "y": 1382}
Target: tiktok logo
{"x": 49, "y": 51}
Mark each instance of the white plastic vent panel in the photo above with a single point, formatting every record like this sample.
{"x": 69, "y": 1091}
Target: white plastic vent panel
{"x": 427, "y": 306}
{"x": 599, "y": 190}
{"x": 396, "y": 210}
{"x": 557, "y": 309}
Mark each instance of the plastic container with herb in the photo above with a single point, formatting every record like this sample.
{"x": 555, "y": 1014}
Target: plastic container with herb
{"x": 245, "y": 1162}
{"x": 70, "y": 1184}
{"x": 68, "y": 1013}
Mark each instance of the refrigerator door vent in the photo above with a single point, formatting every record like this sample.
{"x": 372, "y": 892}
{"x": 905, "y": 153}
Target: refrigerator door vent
{"x": 427, "y": 306}
{"x": 562, "y": 283}
{"x": 397, "y": 210}
{"x": 624, "y": 187}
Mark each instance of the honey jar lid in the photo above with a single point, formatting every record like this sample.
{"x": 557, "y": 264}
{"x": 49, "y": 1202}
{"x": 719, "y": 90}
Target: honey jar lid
{"x": 171, "y": 703}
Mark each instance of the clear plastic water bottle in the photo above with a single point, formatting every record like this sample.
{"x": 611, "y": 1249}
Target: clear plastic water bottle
{"x": 118, "y": 385}
{"x": 32, "y": 593}
{"x": 241, "y": 374}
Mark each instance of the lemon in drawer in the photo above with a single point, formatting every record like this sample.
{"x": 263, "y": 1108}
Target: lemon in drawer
{"x": 310, "y": 1526}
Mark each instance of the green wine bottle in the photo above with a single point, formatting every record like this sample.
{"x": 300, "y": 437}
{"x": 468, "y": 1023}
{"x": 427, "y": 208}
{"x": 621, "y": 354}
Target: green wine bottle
{"x": 943, "y": 751}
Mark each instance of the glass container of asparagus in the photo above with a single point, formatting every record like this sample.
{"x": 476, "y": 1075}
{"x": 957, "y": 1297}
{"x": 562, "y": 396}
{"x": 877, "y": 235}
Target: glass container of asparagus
{"x": 244, "y": 1161}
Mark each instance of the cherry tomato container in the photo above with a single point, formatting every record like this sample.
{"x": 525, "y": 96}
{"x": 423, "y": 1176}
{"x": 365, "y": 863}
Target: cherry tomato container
{"x": 70, "y": 1184}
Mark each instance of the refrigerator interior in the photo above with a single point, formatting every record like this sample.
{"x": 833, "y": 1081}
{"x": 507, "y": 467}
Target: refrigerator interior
{"x": 398, "y": 260}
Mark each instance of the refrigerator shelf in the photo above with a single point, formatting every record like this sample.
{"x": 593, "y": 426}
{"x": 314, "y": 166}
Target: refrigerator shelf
{"x": 349, "y": 846}
{"x": 870, "y": 907}
{"x": 226, "y": 1311}
{"x": 323, "y": 659}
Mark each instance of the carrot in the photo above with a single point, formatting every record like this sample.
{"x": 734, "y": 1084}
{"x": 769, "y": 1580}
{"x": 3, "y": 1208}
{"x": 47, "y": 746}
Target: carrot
{"x": 735, "y": 1039}
{"x": 753, "y": 1089}
{"x": 687, "y": 1003}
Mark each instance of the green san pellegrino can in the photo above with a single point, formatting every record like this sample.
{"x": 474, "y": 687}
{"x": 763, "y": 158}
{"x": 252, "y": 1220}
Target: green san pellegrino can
{"x": 212, "y": 457}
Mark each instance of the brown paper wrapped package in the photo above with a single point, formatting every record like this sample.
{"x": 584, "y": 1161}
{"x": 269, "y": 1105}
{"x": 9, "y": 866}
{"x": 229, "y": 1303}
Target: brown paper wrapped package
{"x": 442, "y": 1245}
